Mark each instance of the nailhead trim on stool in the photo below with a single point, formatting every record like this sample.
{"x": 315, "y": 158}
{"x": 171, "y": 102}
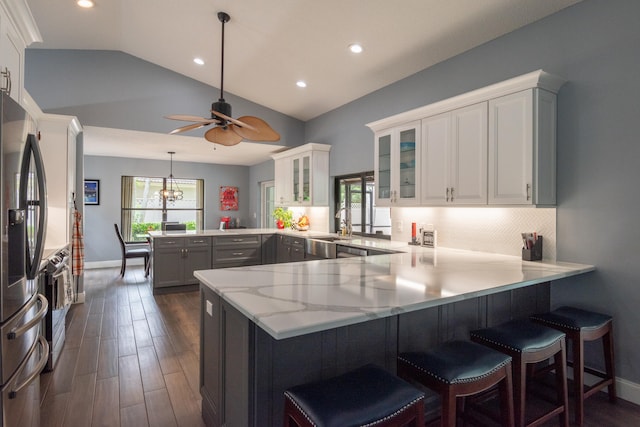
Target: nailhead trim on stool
{"x": 527, "y": 342}
{"x": 580, "y": 326}
{"x": 457, "y": 369}
{"x": 367, "y": 396}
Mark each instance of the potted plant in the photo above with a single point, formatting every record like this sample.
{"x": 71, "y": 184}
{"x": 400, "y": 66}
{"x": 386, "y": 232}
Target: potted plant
{"x": 284, "y": 218}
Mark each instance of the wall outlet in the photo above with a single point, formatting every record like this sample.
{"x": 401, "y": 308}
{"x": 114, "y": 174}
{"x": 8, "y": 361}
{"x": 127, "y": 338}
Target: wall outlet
{"x": 398, "y": 226}
{"x": 209, "y": 308}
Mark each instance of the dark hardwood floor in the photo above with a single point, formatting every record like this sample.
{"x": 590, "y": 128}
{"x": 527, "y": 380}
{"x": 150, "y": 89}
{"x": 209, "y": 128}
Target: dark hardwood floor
{"x": 130, "y": 359}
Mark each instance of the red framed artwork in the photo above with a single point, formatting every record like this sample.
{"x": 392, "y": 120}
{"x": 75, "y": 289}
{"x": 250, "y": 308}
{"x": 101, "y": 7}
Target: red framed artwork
{"x": 228, "y": 198}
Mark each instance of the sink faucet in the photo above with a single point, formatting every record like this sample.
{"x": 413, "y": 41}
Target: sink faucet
{"x": 347, "y": 219}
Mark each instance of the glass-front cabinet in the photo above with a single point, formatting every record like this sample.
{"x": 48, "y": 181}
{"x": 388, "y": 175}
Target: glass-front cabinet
{"x": 302, "y": 179}
{"x": 302, "y": 176}
{"x": 396, "y": 165}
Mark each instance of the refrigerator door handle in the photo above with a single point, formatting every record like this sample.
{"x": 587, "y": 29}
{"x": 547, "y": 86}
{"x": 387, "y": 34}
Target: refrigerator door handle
{"x": 32, "y": 148}
{"x": 36, "y": 372}
{"x": 20, "y": 330}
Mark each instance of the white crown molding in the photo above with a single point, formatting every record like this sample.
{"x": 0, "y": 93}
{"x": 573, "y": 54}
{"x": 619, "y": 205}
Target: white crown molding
{"x": 535, "y": 79}
{"x": 311, "y": 146}
{"x": 20, "y": 14}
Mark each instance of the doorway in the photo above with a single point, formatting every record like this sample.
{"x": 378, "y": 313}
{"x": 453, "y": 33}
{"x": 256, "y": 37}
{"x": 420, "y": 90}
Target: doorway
{"x": 268, "y": 197}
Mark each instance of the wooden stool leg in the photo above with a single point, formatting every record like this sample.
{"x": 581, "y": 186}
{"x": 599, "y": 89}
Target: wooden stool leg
{"x": 607, "y": 343}
{"x": 577, "y": 344}
{"x": 560, "y": 360}
{"x": 519, "y": 390}
{"x": 506, "y": 399}
{"x": 448, "y": 418}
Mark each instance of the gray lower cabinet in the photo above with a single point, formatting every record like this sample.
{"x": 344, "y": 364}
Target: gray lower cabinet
{"x": 269, "y": 248}
{"x": 224, "y": 363}
{"x": 175, "y": 259}
{"x": 290, "y": 248}
{"x": 237, "y": 250}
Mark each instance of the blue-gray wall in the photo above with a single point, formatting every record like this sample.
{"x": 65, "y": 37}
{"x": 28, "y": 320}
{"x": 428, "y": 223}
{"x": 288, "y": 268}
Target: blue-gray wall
{"x": 99, "y": 235}
{"x": 594, "y": 45}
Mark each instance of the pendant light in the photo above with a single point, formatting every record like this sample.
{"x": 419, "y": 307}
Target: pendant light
{"x": 170, "y": 194}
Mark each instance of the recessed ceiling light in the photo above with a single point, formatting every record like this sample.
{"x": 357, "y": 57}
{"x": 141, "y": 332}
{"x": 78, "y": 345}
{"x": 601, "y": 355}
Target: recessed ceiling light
{"x": 301, "y": 83}
{"x": 355, "y": 48}
{"x": 85, "y": 3}
{"x": 198, "y": 61}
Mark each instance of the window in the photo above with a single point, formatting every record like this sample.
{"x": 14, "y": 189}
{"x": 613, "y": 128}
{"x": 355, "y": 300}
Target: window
{"x": 356, "y": 193}
{"x": 144, "y": 209}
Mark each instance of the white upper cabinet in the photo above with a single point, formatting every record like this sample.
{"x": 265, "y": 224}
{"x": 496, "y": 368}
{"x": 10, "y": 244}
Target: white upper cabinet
{"x": 454, "y": 157}
{"x": 495, "y": 145}
{"x": 522, "y": 148}
{"x": 397, "y": 169}
{"x": 302, "y": 176}
{"x": 58, "y": 146}
{"x": 17, "y": 31}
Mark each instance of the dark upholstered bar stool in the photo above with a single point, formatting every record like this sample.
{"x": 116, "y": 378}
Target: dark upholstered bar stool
{"x": 367, "y": 396}
{"x": 527, "y": 342}
{"x": 458, "y": 369}
{"x": 580, "y": 326}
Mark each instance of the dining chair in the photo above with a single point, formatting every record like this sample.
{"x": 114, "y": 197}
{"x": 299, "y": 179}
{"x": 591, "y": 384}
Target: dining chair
{"x": 133, "y": 250}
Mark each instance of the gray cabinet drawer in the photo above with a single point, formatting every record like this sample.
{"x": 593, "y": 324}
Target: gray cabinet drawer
{"x": 169, "y": 242}
{"x": 235, "y": 257}
{"x": 252, "y": 240}
{"x": 197, "y": 241}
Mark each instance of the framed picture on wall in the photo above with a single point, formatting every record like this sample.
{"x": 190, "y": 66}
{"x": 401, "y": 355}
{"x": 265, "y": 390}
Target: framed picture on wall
{"x": 91, "y": 191}
{"x": 228, "y": 198}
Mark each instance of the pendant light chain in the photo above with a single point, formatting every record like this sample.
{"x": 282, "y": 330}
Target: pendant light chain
{"x": 172, "y": 195}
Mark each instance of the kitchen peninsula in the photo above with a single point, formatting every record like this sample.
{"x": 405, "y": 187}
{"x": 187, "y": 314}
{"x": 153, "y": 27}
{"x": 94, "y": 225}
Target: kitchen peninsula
{"x": 268, "y": 327}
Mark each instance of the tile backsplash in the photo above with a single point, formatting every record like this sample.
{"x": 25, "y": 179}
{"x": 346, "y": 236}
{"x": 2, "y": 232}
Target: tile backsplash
{"x": 486, "y": 229}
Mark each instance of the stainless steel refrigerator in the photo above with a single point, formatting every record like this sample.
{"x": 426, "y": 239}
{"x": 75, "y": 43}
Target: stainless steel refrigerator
{"x": 23, "y": 210}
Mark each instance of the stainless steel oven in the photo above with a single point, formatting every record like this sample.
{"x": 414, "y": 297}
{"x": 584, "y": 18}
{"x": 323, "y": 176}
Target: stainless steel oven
{"x": 53, "y": 283}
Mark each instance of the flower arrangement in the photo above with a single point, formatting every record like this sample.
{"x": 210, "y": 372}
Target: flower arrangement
{"x": 284, "y": 217}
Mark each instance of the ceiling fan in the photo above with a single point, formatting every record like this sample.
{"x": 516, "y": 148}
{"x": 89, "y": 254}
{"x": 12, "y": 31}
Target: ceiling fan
{"x": 227, "y": 130}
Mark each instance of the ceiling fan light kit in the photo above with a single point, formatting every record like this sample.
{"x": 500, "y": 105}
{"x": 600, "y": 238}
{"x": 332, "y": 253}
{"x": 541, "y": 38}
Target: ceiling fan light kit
{"x": 227, "y": 130}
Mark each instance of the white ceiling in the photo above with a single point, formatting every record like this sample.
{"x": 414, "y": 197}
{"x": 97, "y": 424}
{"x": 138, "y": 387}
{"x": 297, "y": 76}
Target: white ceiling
{"x": 147, "y": 145}
{"x": 272, "y": 44}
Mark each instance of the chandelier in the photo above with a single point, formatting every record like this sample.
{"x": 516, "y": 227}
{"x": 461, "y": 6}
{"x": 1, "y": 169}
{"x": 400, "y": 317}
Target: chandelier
{"x": 170, "y": 194}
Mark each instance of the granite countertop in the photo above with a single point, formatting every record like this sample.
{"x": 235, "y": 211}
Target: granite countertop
{"x": 293, "y": 299}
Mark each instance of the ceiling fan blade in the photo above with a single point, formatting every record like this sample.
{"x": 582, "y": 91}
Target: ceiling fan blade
{"x": 258, "y": 130}
{"x": 223, "y": 136}
{"x": 232, "y": 120}
{"x": 188, "y": 127}
{"x": 188, "y": 118}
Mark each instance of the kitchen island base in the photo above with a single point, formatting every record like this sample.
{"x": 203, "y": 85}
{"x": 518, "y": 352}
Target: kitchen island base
{"x": 244, "y": 371}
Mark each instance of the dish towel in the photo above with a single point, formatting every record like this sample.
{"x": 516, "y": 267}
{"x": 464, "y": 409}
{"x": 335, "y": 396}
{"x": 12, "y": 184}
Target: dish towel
{"x": 64, "y": 294}
{"x": 77, "y": 245}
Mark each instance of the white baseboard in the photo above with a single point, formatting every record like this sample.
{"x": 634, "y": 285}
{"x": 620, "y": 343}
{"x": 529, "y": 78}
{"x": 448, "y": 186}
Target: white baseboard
{"x": 628, "y": 391}
{"x": 625, "y": 390}
{"x": 79, "y": 298}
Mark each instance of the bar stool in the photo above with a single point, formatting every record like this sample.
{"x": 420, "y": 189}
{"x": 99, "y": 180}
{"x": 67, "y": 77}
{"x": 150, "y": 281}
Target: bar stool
{"x": 527, "y": 342}
{"x": 458, "y": 369}
{"x": 580, "y": 326}
{"x": 366, "y": 396}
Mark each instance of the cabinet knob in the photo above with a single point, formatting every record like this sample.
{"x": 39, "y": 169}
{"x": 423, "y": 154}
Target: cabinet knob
{"x": 528, "y": 192}
{"x": 447, "y": 194}
{"x": 451, "y": 194}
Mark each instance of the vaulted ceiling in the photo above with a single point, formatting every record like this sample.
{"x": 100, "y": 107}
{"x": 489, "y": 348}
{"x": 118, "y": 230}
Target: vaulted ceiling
{"x": 270, "y": 45}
